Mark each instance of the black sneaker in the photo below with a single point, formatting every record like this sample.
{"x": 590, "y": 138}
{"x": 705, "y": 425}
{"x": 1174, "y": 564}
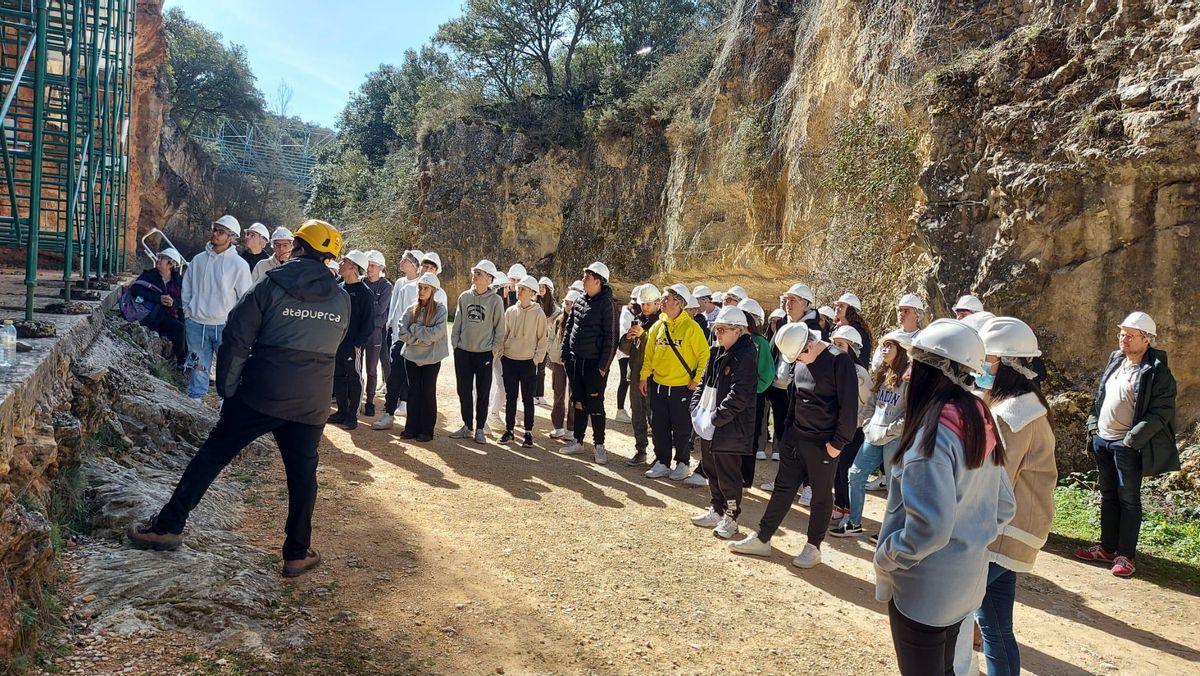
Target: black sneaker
{"x": 874, "y": 538}
{"x": 335, "y": 419}
{"x": 637, "y": 460}
{"x": 423, "y": 438}
{"x": 527, "y": 442}
{"x": 349, "y": 422}
{"x": 846, "y": 530}
{"x": 506, "y": 437}
{"x": 369, "y": 410}
{"x": 144, "y": 535}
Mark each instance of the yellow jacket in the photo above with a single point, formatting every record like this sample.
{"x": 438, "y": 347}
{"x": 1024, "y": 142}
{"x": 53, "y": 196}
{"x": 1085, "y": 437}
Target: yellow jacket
{"x": 661, "y": 362}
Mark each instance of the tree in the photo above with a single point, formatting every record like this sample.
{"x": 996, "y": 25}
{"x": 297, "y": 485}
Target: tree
{"x": 208, "y": 80}
{"x": 428, "y": 64}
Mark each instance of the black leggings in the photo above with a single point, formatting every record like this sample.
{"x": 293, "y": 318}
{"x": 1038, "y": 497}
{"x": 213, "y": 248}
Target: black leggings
{"x": 922, "y": 650}
{"x": 623, "y": 384}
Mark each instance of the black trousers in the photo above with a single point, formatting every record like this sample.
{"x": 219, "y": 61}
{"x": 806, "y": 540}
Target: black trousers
{"x": 623, "y": 383}
{"x": 237, "y": 427}
{"x": 922, "y": 650}
{"x": 802, "y": 463}
{"x": 724, "y": 477}
{"x": 397, "y": 381}
{"x": 170, "y": 328}
{"x": 587, "y": 387}
{"x": 778, "y": 401}
{"x": 841, "y": 482}
{"x": 422, "y": 400}
{"x": 347, "y": 387}
{"x": 518, "y": 373}
{"x": 748, "y": 467}
{"x": 670, "y": 422}
{"x": 760, "y": 410}
{"x": 473, "y": 369}
{"x": 539, "y": 384}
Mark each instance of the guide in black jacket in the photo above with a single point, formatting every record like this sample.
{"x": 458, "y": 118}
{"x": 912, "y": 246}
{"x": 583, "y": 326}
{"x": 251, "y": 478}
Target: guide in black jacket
{"x": 274, "y": 369}
{"x": 347, "y": 387}
{"x": 589, "y": 345}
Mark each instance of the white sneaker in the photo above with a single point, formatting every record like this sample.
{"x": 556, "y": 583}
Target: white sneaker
{"x": 877, "y": 485}
{"x": 385, "y": 422}
{"x": 808, "y": 557}
{"x": 496, "y": 423}
{"x": 750, "y": 545}
{"x": 573, "y": 448}
{"x": 541, "y": 401}
{"x": 806, "y": 497}
{"x": 695, "y": 480}
{"x": 708, "y": 519}
{"x": 768, "y": 487}
{"x": 775, "y": 456}
{"x": 601, "y": 455}
{"x": 463, "y": 432}
{"x": 761, "y": 455}
{"x": 402, "y": 410}
{"x": 726, "y": 528}
{"x": 622, "y": 416}
{"x": 680, "y": 472}
{"x": 657, "y": 471}
{"x": 559, "y": 433}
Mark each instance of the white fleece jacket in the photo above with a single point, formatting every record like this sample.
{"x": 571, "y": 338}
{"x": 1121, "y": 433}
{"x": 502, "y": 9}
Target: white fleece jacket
{"x": 213, "y": 284}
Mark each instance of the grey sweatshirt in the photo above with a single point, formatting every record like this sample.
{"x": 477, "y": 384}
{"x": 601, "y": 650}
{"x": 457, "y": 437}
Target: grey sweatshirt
{"x": 525, "y": 333}
{"x": 424, "y": 344}
{"x": 478, "y": 322}
{"x": 887, "y": 419}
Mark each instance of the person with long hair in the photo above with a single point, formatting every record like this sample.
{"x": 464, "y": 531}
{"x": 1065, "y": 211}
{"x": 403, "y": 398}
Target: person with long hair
{"x": 1011, "y": 390}
{"x": 848, "y": 340}
{"x": 550, "y": 308}
{"x": 881, "y": 432}
{"x": 948, "y": 499}
{"x": 849, "y": 313}
{"x": 422, "y": 329}
{"x": 562, "y": 416}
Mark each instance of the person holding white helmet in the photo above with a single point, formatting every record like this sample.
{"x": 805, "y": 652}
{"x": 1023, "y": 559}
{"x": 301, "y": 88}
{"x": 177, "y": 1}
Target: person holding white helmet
{"x": 375, "y": 356}
{"x": 562, "y": 416}
{"x": 549, "y": 303}
{"x": 477, "y": 339}
{"x": 281, "y": 250}
{"x": 849, "y": 313}
{"x": 217, "y": 277}
{"x": 798, "y": 303}
{"x": 909, "y": 310}
{"x": 624, "y": 323}
{"x": 676, "y": 355}
{"x": 1133, "y": 436}
{"x": 347, "y": 386}
{"x": 947, "y": 501}
{"x": 633, "y": 342}
{"x": 847, "y": 339}
{"x": 704, "y": 299}
{"x": 159, "y": 294}
{"x": 966, "y": 306}
{"x": 422, "y": 329}
{"x": 254, "y": 244}
{"x": 589, "y": 345}
{"x": 722, "y": 413}
{"x": 821, "y": 423}
{"x": 404, "y": 294}
{"x": 522, "y": 347}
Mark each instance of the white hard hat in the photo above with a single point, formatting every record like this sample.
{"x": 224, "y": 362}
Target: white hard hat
{"x": 778, "y": 313}
{"x": 545, "y": 281}
{"x": 573, "y": 296}
{"x": 357, "y": 257}
{"x": 702, "y": 291}
{"x": 850, "y": 334}
{"x": 682, "y": 291}
{"x": 173, "y": 255}
{"x": 416, "y": 254}
{"x": 1009, "y": 337}
{"x": 486, "y": 267}
{"x": 969, "y": 303}
{"x": 751, "y": 306}
{"x": 376, "y": 257}
{"x": 529, "y": 282}
{"x": 431, "y": 257}
{"x": 901, "y": 338}
{"x": 259, "y": 229}
{"x": 911, "y": 300}
{"x": 429, "y": 279}
{"x": 954, "y": 341}
{"x": 718, "y": 297}
{"x": 517, "y": 271}
{"x": 647, "y": 293}
{"x": 732, "y": 315}
{"x": 791, "y": 339}
{"x": 599, "y": 269}
{"x": 801, "y": 290}
{"x": 229, "y": 223}
{"x": 576, "y": 285}
{"x": 332, "y": 265}
{"x": 737, "y": 292}
{"x": 827, "y": 311}
{"x": 976, "y": 320}
{"x": 851, "y": 300}
{"x": 1140, "y": 321}
{"x": 282, "y": 234}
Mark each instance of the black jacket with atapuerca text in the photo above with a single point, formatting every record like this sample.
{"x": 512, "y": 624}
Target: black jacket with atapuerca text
{"x": 277, "y": 351}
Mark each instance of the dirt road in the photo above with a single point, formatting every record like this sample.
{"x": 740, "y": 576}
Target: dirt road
{"x": 455, "y": 558}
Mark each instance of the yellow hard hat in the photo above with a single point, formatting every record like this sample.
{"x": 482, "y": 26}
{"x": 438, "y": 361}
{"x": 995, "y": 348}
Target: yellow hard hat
{"x": 321, "y": 237}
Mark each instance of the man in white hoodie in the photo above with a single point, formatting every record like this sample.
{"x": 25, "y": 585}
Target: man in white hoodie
{"x": 216, "y": 278}
{"x": 404, "y": 294}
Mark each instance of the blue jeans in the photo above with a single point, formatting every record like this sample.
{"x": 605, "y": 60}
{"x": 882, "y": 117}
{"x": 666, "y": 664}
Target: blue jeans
{"x": 203, "y": 341}
{"x": 869, "y": 458}
{"x": 995, "y": 617}
{"x": 1120, "y": 469}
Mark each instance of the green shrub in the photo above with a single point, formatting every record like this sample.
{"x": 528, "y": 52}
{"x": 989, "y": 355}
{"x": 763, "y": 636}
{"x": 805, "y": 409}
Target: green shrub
{"x": 747, "y": 149}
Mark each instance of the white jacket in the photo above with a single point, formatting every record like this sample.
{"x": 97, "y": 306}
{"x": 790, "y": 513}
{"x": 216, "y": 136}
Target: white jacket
{"x": 404, "y": 294}
{"x": 213, "y": 285}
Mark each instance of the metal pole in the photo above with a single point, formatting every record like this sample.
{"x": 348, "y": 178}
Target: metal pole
{"x": 72, "y": 134}
{"x": 35, "y": 188}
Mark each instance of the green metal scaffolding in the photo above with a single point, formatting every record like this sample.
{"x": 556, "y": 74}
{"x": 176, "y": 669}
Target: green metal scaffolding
{"x": 66, "y": 68}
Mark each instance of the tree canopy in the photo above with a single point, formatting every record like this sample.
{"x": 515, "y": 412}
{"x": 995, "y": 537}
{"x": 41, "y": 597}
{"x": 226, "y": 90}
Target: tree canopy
{"x": 208, "y": 80}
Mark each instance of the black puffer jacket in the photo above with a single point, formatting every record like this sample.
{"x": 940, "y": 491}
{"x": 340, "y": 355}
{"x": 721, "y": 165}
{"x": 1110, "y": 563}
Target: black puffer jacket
{"x": 1153, "y": 432}
{"x": 592, "y": 329}
{"x": 278, "y": 347}
{"x": 734, "y": 374}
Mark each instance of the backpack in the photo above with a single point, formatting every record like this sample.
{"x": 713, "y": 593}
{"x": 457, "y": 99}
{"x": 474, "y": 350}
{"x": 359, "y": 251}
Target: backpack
{"x": 133, "y": 305}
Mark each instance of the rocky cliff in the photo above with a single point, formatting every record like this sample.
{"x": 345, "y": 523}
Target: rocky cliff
{"x": 1041, "y": 154}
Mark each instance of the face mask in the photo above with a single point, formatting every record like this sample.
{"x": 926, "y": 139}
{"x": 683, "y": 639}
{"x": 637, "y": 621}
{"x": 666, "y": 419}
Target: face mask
{"x": 986, "y": 379}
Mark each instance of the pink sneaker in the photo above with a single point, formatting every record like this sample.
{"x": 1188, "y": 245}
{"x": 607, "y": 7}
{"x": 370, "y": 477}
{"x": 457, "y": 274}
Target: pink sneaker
{"x": 1123, "y": 567}
{"x": 1095, "y": 553}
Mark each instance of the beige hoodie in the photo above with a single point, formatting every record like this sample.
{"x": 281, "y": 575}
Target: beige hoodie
{"x": 525, "y": 333}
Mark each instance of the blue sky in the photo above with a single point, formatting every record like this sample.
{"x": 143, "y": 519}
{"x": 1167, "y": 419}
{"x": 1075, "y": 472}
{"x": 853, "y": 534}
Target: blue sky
{"x": 322, "y": 48}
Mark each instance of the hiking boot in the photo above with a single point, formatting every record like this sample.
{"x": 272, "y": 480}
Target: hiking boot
{"x": 369, "y": 410}
{"x": 1123, "y": 567}
{"x": 527, "y": 442}
{"x": 463, "y": 432}
{"x": 808, "y": 557}
{"x": 637, "y": 460}
{"x": 296, "y": 567}
{"x": 385, "y": 422}
{"x": 145, "y": 536}
{"x": 1095, "y": 554}
{"x": 480, "y": 437}
{"x": 750, "y": 545}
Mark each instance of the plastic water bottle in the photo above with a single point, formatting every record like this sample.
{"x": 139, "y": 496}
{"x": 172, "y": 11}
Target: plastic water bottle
{"x": 8, "y": 343}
